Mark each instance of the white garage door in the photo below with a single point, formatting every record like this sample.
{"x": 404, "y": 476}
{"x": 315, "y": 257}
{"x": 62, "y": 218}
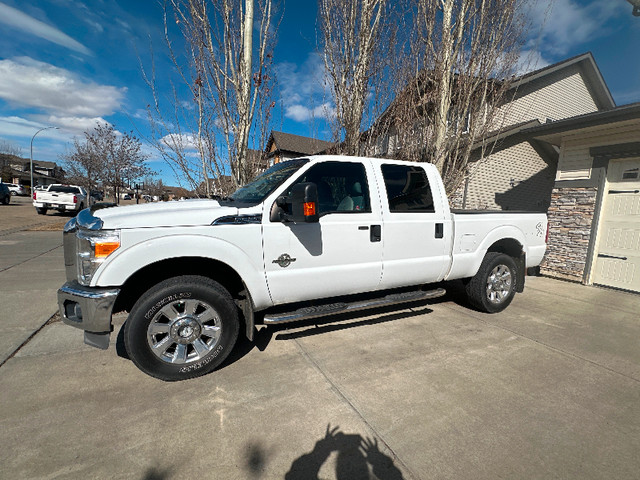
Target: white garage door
{"x": 617, "y": 260}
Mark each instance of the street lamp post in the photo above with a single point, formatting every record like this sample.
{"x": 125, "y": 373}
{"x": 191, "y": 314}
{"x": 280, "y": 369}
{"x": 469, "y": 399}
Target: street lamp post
{"x": 31, "y": 156}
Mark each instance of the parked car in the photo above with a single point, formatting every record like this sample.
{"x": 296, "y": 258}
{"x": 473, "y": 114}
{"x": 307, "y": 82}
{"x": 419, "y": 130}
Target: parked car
{"x": 5, "y": 193}
{"x": 97, "y": 195}
{"x": 16, "y": 189}
{"x": 309, "y": 237}
{"x": 64, "y": 198}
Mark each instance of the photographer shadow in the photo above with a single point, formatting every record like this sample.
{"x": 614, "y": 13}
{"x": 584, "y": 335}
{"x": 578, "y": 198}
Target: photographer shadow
{"x": 357, "y": 458}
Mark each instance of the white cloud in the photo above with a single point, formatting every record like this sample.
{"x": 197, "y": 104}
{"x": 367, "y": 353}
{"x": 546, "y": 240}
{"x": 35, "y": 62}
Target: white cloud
{"x": 566, "y": 24}
{"x": 180, "y": 141}
{"x": 76, "y": 125}
{"x": 303, "y": 86}
{"x": 300, "y": 113}
{"x": 21, "y": 21}
{"x": 28, "y": 82}
{"x": 529, "y": 61}
{"x": 20, "y": 127}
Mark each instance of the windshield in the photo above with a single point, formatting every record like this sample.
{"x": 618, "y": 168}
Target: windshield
{"x": 256, "y": 191}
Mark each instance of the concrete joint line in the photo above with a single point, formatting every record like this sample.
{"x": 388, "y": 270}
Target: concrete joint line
{"x": 555, "y": 349}
{"x": 21, "y": 346}
{"x": 29, "y": 259}
{"x": 348, "y": 401}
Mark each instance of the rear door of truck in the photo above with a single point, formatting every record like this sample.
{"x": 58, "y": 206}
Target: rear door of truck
{"x": 417, "y": 229}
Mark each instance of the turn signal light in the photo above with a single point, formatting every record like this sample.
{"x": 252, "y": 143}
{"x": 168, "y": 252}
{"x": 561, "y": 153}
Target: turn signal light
{"x": 309, "y": 209}
{"x": 105, "y": 249}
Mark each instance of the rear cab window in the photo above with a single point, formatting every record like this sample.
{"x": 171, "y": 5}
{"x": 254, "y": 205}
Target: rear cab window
{"x": 408, "y": 189}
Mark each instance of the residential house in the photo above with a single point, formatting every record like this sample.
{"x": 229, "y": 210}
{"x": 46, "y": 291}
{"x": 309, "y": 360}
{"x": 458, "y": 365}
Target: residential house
{"x": 17, "y": 170}
{"x": 594, "y": 212}
{"x": 509, "y": 159}
{"x": 285, "y": 146}
{"x": 505, "y": 159}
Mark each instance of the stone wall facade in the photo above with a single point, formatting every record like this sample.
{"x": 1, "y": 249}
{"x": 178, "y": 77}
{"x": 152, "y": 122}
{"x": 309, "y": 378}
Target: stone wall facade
{"x": 570, "y": 216}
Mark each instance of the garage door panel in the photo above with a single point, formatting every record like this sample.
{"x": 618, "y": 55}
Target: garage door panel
{"x": 617, "y": 273}
{"x": 617, "y": 260}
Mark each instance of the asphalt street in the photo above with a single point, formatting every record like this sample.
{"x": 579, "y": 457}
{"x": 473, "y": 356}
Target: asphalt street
{"x": 550, "y": 388}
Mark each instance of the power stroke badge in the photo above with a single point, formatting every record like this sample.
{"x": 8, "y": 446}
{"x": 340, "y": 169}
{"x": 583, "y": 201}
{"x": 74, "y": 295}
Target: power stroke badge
{"x": 284, "y": 260}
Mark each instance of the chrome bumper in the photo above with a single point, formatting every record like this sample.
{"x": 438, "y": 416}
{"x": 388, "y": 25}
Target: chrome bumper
{"x": 89, "y": 309}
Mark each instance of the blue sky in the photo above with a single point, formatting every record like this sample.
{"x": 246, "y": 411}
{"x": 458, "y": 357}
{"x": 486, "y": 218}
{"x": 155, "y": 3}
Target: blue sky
{"x": 70, "y": 63}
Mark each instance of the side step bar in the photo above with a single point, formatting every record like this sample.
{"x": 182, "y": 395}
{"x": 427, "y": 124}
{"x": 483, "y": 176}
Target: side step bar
{"x": 307, "y": 313}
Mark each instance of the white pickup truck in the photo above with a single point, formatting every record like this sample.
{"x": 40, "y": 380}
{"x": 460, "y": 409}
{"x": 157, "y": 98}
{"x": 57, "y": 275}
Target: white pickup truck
{"x": 64, "y": 198}
{"x": 310, "y": 237}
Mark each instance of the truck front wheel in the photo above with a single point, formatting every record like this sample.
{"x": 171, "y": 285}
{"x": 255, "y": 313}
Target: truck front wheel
{"x": 492, "y": 289}
{"x": 181, "y": 328}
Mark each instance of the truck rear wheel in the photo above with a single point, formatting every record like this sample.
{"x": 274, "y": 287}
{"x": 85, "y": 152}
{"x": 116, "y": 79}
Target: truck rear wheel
{"x": 41, "y": 211}
{"x": 492, "y": 289}
{"x": 181, "y": 328}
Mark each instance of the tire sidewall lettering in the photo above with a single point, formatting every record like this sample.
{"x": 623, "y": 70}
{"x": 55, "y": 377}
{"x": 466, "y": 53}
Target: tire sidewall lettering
{"x": 161, "y": 303}
{"x": 202, "y": 363}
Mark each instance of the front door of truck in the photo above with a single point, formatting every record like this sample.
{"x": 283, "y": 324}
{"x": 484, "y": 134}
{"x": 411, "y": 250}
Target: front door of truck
{"x": 341, "y": 254}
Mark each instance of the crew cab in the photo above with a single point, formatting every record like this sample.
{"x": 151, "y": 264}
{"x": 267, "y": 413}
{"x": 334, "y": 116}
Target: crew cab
{"x": 64, "y": 198}
{"x": 310, "y": 237}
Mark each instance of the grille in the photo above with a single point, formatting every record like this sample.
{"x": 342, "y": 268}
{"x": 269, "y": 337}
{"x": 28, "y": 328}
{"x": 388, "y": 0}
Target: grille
{"x": 69, "y": 246}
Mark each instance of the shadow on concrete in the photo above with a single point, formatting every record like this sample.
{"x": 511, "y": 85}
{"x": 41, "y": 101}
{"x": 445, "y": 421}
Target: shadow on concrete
{"x": 320, "y": 326}
{"x": 256, "y": 456}
{"x": 357, "y": 458}
{"x": 154, "y": 473}
{"x": 265, "y": 334}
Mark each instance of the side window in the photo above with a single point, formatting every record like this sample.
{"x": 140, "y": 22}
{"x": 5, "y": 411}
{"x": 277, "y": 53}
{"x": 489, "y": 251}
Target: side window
{"x": 408, "y": 188}
{"x": 342, "y": 187}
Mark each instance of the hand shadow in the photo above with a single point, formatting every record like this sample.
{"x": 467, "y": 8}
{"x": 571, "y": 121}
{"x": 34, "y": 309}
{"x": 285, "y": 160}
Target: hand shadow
{"x": 357, "y": 459}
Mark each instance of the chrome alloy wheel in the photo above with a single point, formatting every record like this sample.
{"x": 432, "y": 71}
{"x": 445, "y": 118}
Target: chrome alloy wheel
{"x": 184, "y": 331}
{"x": 499, "y": 284}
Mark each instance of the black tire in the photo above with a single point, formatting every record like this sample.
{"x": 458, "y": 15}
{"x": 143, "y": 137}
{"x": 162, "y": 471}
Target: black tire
{"x": 6, "y": 200}
{"x": 181, "y": 328}
{"x": 492, "y": 289}
{"x": 41, "y": 211}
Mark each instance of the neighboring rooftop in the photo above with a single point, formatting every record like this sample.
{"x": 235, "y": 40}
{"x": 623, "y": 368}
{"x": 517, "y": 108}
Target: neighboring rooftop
{"x": 295, "y": 144}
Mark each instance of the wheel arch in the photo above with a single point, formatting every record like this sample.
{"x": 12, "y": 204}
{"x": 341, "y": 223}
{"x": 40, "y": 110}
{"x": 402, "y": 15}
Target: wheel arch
{"x": 156, "y": 272}
{"x": 515, "y": 249}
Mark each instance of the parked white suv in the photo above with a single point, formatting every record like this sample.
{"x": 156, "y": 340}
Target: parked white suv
{"x": 16, "y": 189}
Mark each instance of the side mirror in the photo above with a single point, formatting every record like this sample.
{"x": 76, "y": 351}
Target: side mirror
{"x": 301, "y": 206}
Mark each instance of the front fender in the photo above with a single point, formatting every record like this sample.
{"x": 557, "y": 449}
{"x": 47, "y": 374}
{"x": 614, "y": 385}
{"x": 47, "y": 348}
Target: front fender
{"x": 246, "y": 259}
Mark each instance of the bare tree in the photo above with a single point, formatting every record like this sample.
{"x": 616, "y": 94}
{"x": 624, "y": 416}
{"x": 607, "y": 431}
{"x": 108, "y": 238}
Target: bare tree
{"x": 227, "y": 75}
{"x": 83, "y": 165}
{"x": 466, "y": 54}
{"x": 10, "y": 148}
{"x": 354, "y": 34}
{"x": 107, "y": 156}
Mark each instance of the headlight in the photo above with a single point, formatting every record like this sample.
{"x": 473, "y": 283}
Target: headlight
{"x": 93, "y": 247}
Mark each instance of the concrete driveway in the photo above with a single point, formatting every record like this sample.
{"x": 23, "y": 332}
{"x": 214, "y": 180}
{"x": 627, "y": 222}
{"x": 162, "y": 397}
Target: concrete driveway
{"x": 550, "y": 388}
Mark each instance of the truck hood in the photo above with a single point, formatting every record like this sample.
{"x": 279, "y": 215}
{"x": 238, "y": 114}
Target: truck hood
{"x": 164, "y": 214}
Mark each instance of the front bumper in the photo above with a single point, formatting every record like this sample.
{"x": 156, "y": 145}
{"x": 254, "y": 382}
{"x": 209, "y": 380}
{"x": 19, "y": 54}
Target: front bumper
{"x": 89, "y": 309}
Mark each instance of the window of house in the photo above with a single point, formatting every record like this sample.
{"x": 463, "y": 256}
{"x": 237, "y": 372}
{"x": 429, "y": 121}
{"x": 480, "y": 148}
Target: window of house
{"x": 342, "y": 187}
{"x": 408, "y": 188}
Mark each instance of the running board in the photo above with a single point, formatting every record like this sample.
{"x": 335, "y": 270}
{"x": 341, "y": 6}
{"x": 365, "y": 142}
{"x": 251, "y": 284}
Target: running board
{"x": 307, "y": 313}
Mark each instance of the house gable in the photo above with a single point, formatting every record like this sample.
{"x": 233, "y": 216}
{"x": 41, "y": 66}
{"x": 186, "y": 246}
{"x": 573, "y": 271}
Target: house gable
{"x": 567, "y": 89}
